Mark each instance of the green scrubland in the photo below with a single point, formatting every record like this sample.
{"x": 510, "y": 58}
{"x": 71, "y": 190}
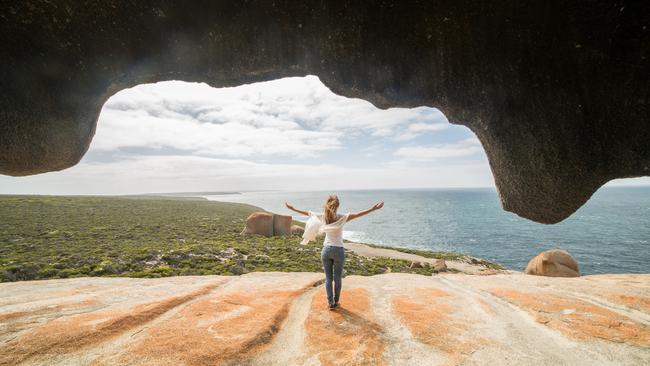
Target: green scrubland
{"x": 43, "y": 237}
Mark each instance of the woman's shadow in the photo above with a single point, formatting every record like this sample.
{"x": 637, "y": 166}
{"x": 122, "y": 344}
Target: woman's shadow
{"x": 355, "y": 321}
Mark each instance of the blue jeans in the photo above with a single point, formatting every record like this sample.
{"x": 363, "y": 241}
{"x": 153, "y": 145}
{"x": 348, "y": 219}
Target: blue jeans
{"x": 333, "y": 259}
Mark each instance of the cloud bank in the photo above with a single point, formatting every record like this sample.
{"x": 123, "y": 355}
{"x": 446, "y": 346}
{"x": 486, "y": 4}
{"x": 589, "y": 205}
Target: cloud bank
{"x": 292, "y": 116}
{"x": 292, "y": 134}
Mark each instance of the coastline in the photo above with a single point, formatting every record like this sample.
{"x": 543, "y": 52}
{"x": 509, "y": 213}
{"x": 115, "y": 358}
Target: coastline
{"x": 601, "y": 237}
{"x": 460, "y": 263}
{"x": 456, "y": 262}
{"x": 163, "y": 237}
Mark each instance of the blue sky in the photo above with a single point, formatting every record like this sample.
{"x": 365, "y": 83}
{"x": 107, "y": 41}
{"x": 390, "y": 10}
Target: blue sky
{"x": 287, "y": 134}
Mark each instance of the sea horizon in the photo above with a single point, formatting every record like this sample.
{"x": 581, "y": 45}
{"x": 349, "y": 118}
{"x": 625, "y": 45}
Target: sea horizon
{"x": 200, "y": 193}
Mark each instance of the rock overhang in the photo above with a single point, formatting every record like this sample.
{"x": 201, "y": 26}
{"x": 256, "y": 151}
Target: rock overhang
{"x": 556, "y": 93}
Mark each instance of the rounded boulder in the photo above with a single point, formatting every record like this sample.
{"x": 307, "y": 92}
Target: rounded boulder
{"x": 553, "y": 263}
{"x": 260, "y": 223}
{"x": 297, "y": 230}
{"x": 267, "y": 224}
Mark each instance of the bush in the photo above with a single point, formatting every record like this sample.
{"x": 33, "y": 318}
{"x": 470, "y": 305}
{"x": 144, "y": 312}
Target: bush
{"x": 21, "y": 273}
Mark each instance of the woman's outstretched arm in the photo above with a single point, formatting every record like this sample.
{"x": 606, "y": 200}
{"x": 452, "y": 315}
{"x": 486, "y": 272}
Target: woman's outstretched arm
{"x": 297, "y": 210}
{"x": 377, "y": 206}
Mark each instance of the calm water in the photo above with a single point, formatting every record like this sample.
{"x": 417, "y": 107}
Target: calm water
{"x": 610, "y": 234}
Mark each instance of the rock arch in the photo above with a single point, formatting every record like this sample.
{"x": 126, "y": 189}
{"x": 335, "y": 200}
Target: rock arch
{"x": 557, "y": 92}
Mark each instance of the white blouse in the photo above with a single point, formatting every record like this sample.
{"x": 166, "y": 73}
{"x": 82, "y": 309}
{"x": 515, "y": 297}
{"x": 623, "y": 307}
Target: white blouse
{"x": 333, "y": 232}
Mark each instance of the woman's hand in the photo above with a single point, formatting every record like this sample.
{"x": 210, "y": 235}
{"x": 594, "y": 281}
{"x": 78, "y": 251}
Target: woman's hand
{"x": 375, "y": 207}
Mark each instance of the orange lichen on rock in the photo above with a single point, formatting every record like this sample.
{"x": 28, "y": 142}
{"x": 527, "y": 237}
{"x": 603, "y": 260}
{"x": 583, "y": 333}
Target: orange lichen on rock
{"x": 221, "y": 329}
{"x": 14, "y": 315}
{"x": 431, "y": 316}
{"x": 428, "y": 320}
{"x": 347, "y": 335}
{"x": 640, "y": 303}
{"x": 487, "y": 308}
{"x": 69, "y": 334}
{"x": 47, "y": 309}
{"x": 578, "y": 319}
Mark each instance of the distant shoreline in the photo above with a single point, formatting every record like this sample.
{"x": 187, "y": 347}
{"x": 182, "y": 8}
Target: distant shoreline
{"x": 458, "y": 262}
{"x": 49, "y": 237}
{"x": 185, "y": 194}
{"x": 601, "y": 235}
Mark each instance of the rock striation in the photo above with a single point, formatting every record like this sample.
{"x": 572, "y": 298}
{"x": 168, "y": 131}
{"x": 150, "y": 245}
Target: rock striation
{"x": 556, "y": 92}
{"x": 283, "y": 319}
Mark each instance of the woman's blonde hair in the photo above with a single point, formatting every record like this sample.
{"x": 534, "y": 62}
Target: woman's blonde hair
{"x": 331, "y": 205}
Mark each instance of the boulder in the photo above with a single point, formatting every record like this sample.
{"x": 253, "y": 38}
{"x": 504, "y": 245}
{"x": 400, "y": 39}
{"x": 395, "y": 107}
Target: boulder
{"x": 260, "y": 223}
{"x": 282, "y": 225}
{"x": 415, "y": 264}
{"x": 439, "y": 265}
{"x": 556, "y": 92}
{"x": 297, "y": 230}
{"x": 553, "y": 263}
{"x": 268, "y": 224}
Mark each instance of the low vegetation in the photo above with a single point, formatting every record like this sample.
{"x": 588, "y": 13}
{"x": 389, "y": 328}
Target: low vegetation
{"x": 44, "y": 237}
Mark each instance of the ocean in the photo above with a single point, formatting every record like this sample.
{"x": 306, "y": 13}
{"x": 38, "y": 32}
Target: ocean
{"x": 609, "y": 234}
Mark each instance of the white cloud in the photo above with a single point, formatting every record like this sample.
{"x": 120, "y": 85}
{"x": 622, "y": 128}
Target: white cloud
{"x": 181, "y": 173}
{"x": 465, "y": 148}
{"x": 415, "y": 129}
{"x": 639, "y": 181}
{"x": 288, "y": 134}
{"x": 277, "y": 118}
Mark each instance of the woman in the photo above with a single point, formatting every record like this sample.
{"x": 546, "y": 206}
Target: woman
{"x": 333, "y": 254}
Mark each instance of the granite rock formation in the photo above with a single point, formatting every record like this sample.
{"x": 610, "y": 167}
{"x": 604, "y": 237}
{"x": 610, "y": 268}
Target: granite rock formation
{"x": 557, "y": 92}
{"x": 283, "y": 319}
{"x": 297, "y": 230}
{"x": 260, "y": 223}
{"x": 282, "y": 225}
{"x": 268, "y": 224}
{"x": 553, "y": 263}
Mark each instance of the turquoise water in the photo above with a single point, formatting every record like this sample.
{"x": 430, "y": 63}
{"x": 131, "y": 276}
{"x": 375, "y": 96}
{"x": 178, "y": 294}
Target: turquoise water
{"x": 610, "y": 234}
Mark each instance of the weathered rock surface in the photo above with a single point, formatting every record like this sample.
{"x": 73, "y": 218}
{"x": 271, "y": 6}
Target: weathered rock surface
{"x": 268, "y": 224}
{"x": 557, "y": 92}
{"x": 260, "y": 223}
{"x": 439, "y": 265}
{"x": 282, "y": 225}
{"x": 553, "y": 263}
{"x": 297, "y": 230}
{"x": 283, "y": 319}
